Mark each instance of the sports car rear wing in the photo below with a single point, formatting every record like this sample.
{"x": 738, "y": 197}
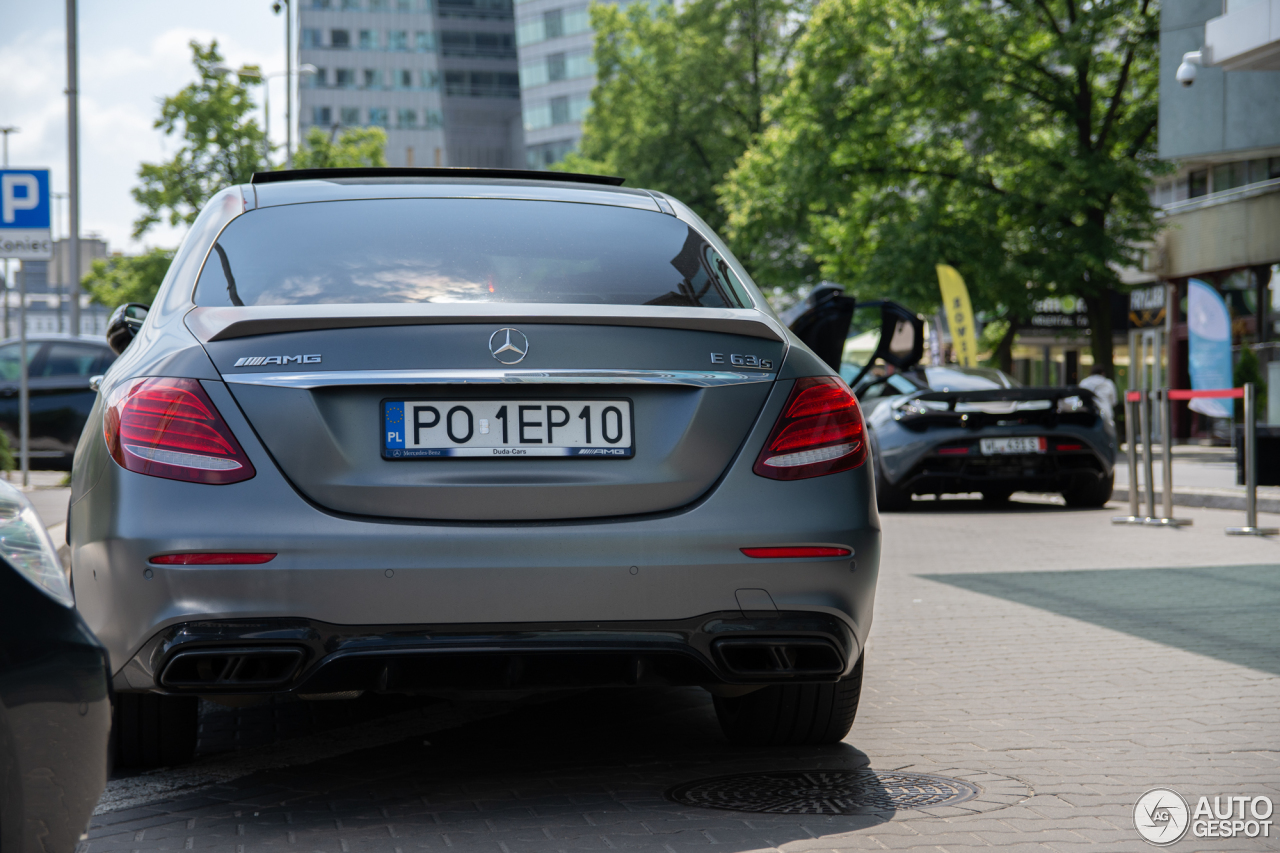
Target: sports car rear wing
{"x": 976, "y": 409}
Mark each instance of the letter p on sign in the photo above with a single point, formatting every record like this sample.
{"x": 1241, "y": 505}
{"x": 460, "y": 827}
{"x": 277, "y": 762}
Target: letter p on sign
{"x": 18, "y": 191}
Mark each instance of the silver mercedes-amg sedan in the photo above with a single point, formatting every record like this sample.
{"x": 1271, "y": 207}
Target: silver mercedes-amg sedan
{"x": 431, "y": 431}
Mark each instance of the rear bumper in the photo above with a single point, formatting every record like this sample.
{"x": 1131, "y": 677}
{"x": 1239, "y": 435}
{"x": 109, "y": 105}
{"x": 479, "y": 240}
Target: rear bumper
{"x": 312, "y": 658}
{"x": 1049, "y": 472}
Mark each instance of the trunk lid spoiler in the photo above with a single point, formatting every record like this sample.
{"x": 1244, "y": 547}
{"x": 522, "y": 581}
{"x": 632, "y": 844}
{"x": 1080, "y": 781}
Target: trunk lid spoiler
{"x": 217, "y": 324}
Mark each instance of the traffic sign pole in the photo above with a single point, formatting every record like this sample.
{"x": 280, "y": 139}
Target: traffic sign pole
{"x": 24, "y": 389}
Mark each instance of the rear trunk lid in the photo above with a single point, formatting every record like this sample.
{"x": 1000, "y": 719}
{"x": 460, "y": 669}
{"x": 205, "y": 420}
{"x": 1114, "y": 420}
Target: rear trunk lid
{"x": 314, "y": 386}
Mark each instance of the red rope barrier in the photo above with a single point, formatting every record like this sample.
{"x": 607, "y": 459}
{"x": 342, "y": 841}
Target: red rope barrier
{"x": 1188, "y": 394}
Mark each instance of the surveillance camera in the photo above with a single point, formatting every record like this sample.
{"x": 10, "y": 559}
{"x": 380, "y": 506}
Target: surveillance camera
{"x": 1191, "y": 60}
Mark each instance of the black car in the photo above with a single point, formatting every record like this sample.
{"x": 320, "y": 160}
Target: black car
{"x": 55, "y": 708}
{"x": 947, "y": 429}
{"x": 61, "y": 397}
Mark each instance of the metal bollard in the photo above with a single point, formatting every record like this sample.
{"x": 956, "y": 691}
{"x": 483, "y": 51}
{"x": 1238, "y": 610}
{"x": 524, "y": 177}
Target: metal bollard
{"x": 1166, "y": 489}
{"x": 1147, "y": 462}
{"x": 1130, "y": 413}
{"x": 1251, "y": 527}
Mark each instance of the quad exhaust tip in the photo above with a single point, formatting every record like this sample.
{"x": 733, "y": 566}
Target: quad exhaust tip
{"x": 232, "y": 668}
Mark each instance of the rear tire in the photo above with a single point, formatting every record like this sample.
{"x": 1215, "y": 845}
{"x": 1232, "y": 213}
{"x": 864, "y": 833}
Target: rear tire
{"x": 888, "y": 497}
{"x": 150, "y": 730}
{"x": 792, "y": 714}
{"x": 1091, "y": 494}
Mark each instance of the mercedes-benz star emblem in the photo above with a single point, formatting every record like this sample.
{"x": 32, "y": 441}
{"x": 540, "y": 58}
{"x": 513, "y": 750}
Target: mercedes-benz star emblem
{"x": 509, "y": 346}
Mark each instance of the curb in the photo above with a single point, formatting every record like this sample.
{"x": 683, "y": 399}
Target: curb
{"x": 1210, "y": 499}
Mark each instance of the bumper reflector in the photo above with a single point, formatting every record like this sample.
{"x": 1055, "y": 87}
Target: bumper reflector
{"x": 795, "y": 552}
{"x": 212, "y": 559}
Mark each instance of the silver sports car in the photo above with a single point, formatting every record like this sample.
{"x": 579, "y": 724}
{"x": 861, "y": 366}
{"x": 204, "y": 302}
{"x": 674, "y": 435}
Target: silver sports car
{"x": 436, "y": 431}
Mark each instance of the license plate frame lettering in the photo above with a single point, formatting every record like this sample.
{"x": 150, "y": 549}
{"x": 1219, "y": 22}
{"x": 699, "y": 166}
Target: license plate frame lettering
{"x": 507, "y": 428}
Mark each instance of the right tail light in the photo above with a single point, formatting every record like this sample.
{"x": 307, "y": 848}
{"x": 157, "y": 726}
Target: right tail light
{"x": 819, "y": 432}
{"x": 168, "y": 427}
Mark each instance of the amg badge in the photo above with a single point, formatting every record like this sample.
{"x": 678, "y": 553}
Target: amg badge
{"x": 256, "y": 360}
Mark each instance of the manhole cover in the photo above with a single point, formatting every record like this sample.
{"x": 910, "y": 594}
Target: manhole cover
{"x": 824, "y": 792}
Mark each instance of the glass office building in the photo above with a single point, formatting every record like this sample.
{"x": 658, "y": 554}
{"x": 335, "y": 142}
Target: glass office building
{"x": 440, "y": 76}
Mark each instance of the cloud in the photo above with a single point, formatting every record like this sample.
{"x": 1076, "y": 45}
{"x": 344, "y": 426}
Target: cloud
{"x": 128, "y": 64}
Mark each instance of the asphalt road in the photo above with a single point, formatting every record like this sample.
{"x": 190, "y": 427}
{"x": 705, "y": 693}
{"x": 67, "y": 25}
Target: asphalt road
{"x": 1061, "y": 665}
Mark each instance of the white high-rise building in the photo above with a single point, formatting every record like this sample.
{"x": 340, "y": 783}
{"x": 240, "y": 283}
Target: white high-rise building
{"x": 439, "y": 75}
{"x": 556, "y": 76}
{"x": 555, "y": 40}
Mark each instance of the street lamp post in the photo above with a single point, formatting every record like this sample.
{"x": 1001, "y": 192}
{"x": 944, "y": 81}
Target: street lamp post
{"x": 254, "y": 73}
{"x": 6, "y": 131}
{"x": 287, "y": 8}
{"x": 73, "y": 173}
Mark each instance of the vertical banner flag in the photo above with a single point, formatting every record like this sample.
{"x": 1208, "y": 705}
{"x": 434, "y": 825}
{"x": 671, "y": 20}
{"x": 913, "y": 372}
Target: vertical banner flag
{"x": 955, "y": 304}
{"x": 1209, "y": 346}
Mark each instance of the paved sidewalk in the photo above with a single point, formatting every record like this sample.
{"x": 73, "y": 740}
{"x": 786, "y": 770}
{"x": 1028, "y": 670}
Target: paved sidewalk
{"x": 1037, "y": 651}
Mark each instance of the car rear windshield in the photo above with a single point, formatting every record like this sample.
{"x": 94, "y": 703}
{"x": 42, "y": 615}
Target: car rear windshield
{"x": 966, "y": 379}
{"x": 464, "y": 250}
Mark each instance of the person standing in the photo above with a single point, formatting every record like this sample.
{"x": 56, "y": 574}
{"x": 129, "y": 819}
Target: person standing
{"x": 1103, "y": 389}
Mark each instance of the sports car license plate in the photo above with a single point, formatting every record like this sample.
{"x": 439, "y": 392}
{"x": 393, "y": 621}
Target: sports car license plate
{"x": 430, "y": 429}
{"x": 1006, "y": 446}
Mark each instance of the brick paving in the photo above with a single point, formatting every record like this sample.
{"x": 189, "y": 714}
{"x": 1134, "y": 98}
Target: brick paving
{"x": 1058, "y": 662}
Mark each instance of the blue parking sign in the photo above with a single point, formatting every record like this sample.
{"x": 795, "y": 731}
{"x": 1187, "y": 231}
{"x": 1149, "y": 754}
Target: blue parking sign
{"x": 24, "y": 214}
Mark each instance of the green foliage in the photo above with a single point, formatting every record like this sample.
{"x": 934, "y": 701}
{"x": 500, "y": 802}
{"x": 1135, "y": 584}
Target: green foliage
{"x": 122, "y": 279}
{"x": 1012, "y": 140}
{"x": 220, "y": 144}
{"x": 352, "y": 148}
{"x": 7, "y": 462}
{"x": 1249, "y": 369}
{"x": 681, "y": 94}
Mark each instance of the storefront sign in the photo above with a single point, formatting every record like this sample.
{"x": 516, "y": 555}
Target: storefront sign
{"x": 1147, "y": 307}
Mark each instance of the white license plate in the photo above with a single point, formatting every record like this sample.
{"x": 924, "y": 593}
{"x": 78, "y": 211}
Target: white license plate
{"x": 432, "y": 429}
{"x": 1005, "y": 446}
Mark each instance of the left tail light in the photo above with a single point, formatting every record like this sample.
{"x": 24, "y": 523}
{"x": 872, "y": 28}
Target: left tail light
{"x": 168, "y": 427}
{"x": 819, "y": 432}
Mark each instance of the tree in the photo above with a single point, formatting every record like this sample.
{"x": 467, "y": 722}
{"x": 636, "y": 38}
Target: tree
{"x": 122, "y": 279}
{"x": 354, "y": 147}
{"x": 1013, "y": 140}
{"x": 681, "y": 94}
{"x": 221, "y": 144}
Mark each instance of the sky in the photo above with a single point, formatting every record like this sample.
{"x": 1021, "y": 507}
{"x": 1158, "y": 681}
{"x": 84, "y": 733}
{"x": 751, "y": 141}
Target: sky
{"x": 132, "y": 54}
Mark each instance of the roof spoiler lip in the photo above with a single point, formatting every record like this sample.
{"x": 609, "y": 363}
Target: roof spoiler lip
{"x": 285, "y": 175}
{"x": 211, "y": 324}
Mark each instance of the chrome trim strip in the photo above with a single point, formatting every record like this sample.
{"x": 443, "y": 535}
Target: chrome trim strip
{"x": 326, "y": 379}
